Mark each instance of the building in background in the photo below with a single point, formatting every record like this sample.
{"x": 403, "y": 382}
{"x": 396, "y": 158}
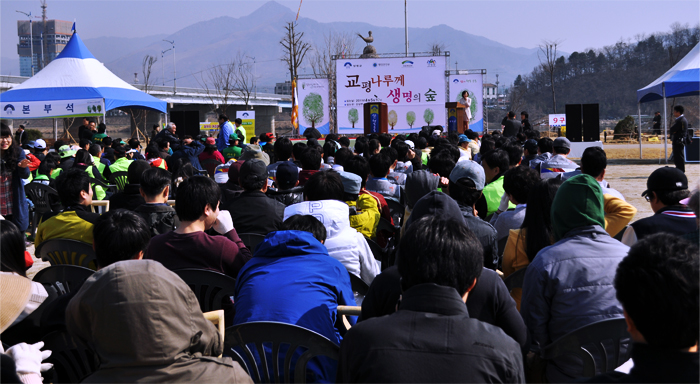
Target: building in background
{"x": 283, "y": 88}
{"x": 49, "y": 39}
{"x": 490, "y": 93}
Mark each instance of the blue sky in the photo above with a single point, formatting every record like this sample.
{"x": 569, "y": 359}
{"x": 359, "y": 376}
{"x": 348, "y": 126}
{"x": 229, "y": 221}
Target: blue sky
{"x": 518, "y": 23}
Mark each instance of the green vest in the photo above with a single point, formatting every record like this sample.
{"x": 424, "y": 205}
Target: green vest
{"x": 100, "y": 167}
{"x": 424, "y": 158}
{"x": 121, "y": 165}
{"x": 493, "y": 193}
{"x": 56, "y": 172}
{"x": 100, "y": 191}
{"x": 231, "y": 153}
{"x": 41, "y": 178}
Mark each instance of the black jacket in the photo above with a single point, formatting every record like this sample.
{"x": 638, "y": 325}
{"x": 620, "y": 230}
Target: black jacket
{"x": 512, "y": 128}
{"x": 486, "y": 234}
{"x": 130, "y": 198}
{"x": 172, "y": 139}
{"x": 287, "y": 196}
{"x": 430, "y": 339}
{"x": 489, "y": 302}
{"x": 160, "y": 218}
{"x": 678, "y": 130}
{"x": 656, "y": 365}
{"x": 676, "y": 220}
{"x": 254, "y": 212}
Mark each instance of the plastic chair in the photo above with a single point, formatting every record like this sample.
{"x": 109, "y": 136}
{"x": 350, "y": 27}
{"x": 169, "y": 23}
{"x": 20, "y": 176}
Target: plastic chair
{"x": 397, "y": 211}
{"x": 67, "y": 251}
{"x": 515, "y": 279}
{"x": 602, "y": 346}
{"x": 119, "y": 179}
{"x": 276, "y": 334}
{"x": 211, "y": 288}
{"x": 358, "y": 285}
{"x": 71, "y": 277}
{"x": 40, "y": 195}
{"x": 210, "y": 166}
{"x": 378, "y": 252}
{"x": 72, "y": 360}
{"x": 251, "y": 240}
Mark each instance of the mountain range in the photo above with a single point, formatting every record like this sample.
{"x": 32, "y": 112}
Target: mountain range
{"x": 257, "y": 35}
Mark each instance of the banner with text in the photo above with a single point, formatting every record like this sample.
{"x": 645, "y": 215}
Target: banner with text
{"x": 53, "y": 109}
{"x": 413, "y": 89}
{"x": 313, "y": 101}
{"x": 248, "y": 123}
{"x": 473, "y": 83}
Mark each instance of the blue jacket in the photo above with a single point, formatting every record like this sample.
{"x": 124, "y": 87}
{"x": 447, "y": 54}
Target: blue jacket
{"x": 226, "y": 131}
{"x": 20, "y": 210}
{"x": 292, "y": 279}
{"x": 191, "y": 152}
{"x": 569, "y": 285}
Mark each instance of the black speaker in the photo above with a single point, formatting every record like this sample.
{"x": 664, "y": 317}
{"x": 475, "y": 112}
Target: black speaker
{"x": 692, "y": 151}
{"x": 187, "y": 122}
{"x": 591, "y": 122}
{"x": 573, "y": 122}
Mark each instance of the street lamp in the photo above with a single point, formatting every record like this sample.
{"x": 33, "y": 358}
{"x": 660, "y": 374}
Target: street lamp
{"x": 174, "y": 71}
{"x": 31, "y": 39}
{"x": 162, "y": 65}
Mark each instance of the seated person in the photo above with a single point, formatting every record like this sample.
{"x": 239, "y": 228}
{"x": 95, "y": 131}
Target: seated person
{"x": 324, "y": 195}
{"x": 360, "y": 166}
{"x": 188, "y": 246}
{"x": 663, "y": 323}
{"x": 283, "y": 153}
{"x": 153, "y": 156}
{"x": 252, "y": 210}
{"x": 578, "y": 268}
{"x": 233, "y": 151}
{"x": 154, "y": 188}
{"x": 309, "y": 297}
{"x": 211, "y": 151}
{"x": 558, "y": 163}
{"x": 76, "y": 220}
{"x": 341, "y": 157}
{"x": 380, "y": 165}
{"x": 145, "y": 325}
{"x": 122, "y": 161}
{"x": 310, "y": 164}
{"x": 364, "y": 213}
{"x": 287, "y": 189}
{"x": 405, "y": 155}
{"x": 517, "y": 183}
{"x": 544, "y": 153}
{"x": 398, "y": 178}
{"x": 451, "y": 345}
{"x": 495, "y": 164}
{"x": 130, "y": 198}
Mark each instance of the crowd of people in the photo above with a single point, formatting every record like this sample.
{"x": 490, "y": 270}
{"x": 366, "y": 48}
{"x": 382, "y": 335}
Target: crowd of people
{"x": 474, "y": 210}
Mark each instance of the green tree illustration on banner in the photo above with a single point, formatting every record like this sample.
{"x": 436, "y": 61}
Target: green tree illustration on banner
{"x": 392, "y": 118}
{"x": 313, "y": 108}
{"x": 353, "y": 116}
{"x": 428, "y": 116}
{"x": 410, "y": 118}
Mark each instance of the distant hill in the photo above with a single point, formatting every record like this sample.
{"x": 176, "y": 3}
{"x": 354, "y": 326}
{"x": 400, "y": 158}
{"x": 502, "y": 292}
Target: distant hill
{"x": 204, "y": 44}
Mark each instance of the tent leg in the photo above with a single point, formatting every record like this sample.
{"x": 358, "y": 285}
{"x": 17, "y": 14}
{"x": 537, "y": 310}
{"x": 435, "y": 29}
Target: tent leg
{"x": 663, "y": 86}
{"x": 639, "y": 120}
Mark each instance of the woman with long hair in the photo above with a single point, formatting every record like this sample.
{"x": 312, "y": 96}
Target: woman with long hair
{"x": 13, "y": 168}
{"x": 535, "y": 233}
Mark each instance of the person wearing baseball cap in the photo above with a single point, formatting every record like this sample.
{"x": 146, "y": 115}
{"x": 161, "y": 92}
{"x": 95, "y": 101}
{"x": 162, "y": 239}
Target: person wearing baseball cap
{"x": 211, "y": 157}
{"x": 666, "y": 187}
{"x": 252, "y": 210}
{"x": 287, "y": 189}
{"x": 467, "y": 181}
{"x": 558, "y": 163}
{"x": 464, "y": 152}
{"x": 233, "y": 151}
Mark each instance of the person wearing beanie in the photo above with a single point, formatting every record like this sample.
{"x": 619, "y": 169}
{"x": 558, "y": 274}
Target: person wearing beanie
{"x": 364, "y": 212}
{"x": 578, "y": 268}
{"x": 286, "y": 188}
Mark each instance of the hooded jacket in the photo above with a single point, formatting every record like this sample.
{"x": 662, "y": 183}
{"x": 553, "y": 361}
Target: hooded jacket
{"x": 343, "y": 242}
{"x": 287, "y": 196}
{"x": 366, "y": 218}
{"x": 160, "y": 218}
{"x": 570, "y": 284}
{"x": 310, "y": 295}
{"x": 145, "y": 325}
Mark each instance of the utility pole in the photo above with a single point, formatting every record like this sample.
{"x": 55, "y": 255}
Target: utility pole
{"x": 405, "y": 23}
{"x": 31, "y": 39}
{"x": 497, "y": 92}
{"x": 255, "y": 76}
{"x": 174, "y": 71}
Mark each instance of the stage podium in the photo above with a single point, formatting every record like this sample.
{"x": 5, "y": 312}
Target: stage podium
{"x": 376, "y": 118}
{"x": 455, "y": 117}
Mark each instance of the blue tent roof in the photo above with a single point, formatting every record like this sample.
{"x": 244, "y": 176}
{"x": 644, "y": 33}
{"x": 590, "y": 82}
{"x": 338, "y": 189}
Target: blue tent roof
{"x": 75, "y": 74}
{"x": 681, "y": 80}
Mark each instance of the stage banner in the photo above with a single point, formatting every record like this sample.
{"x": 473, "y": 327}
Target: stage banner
{"x": 248, "y": 123}
{"x": 413, "y": 89}
{"x": 53, "y": 109}
{"x": 313, "y": 100}
{"x": 473, "y": 83}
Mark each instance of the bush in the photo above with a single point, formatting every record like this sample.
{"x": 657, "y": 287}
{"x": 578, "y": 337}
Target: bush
{"x": 624, "y": 127}
{"x": 34, "y": 134}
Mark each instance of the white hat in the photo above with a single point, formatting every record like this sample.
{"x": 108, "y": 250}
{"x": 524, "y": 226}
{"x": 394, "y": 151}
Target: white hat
{"x": 40, "y": 144}
{"x": 436, "y": 132}
{"x": 410, "y": 144}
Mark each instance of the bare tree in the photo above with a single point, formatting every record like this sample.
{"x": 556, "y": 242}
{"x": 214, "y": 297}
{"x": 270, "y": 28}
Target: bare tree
{"x": 146, "y": 70}
{"x": 243, "y": 78}
{"x": 547, "y": 55}
{"x": 322, "y": 65}
{"x": 295, "y": 49}
{"x": 219, "y": 83}
{"x": 437, "y": 48}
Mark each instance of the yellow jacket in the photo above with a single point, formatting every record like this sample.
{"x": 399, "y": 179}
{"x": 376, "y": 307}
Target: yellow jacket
{"x": 367, "y": 217}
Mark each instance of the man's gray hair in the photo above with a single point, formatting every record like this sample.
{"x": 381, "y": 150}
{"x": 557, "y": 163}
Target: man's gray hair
{"x": 169, "y": 126}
